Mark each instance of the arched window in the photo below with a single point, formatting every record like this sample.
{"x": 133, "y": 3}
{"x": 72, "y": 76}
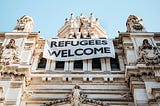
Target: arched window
{"x": 115, "y": 63}
{"x": 42, "y": 63}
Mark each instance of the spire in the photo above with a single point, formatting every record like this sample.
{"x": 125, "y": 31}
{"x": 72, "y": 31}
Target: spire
{"x": 72, "y": 16}
{"x": 91, "y": 18}
{"x": 81, "y": 27}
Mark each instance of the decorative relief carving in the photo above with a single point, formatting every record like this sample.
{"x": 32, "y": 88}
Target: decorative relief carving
{"x": 9, "y": 53}
{"x": 133, "y": 24}
{"x": 142, "y": 75}
{"x": 77, "y": 99}
{"x": 27, "y": 81}
{"x": 148, "y": 54}
{"x": 12, "y": 74}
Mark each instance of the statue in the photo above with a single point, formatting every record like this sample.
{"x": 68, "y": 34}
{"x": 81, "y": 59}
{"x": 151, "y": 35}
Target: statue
{"x": 9, "y": 53}
{"x": 146, "y": 44}
{"x": 24, "y": 24}
{"x": 81, "y": 25}
{"x": 133, "y": 24}
{"x": 148, "y": 54}
{"x": 84, "y": 22}
{"x": 73, "y": 21}
{"x": 76, "y": 96}
{"x": 11, "y": 44}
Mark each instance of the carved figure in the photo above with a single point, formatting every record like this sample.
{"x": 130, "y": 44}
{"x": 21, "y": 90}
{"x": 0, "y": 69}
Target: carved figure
{"x": 81, "y": 25}
{"x": 9, "y": 53}
{"x": 146, "y": 44}
{"x": 133, "y": 24}
{"x": 11, "y": 44}
{"x": 24, "y": 24}
{"x": 76, "y": 96}
{"x": 148, "y": 54}
{"x": 84, "y": 22}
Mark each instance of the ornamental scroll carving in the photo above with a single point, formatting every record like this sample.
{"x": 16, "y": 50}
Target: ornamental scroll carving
{"x": 148, "y": 54}
{"x": 9, "y": 53}
{"x": 133, "y": 24}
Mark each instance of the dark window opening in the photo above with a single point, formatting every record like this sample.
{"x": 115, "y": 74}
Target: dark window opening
{"x": 42, "y": 63}
{"x": 78, "y": 64}
{"x": 115, "y": 63}
{"x": 59, "y": 64}
{"x": 96, "y": 63}
{"x": 67, "y": 79}
{"x": 108, "y": 79}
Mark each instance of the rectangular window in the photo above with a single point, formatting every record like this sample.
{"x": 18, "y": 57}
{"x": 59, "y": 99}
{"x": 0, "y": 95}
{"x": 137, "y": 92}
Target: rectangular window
{"x": 42, "y": 63}
{"x": 96, "y": 64}
{"x": 60, "y": 64}
{"x": 115, "y": 63}
{"x": 78, "y": 64}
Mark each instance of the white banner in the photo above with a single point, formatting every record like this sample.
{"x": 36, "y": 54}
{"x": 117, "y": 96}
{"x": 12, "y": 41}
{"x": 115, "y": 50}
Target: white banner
{"x": 78, "y": 49}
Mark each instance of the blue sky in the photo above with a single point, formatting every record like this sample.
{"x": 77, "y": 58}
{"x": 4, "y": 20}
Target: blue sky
{"x": 49, "y": 15}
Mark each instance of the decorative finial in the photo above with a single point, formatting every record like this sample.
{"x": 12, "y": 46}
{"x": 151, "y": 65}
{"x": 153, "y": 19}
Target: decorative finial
{"x": 82, "y": 16}
{"x": 72, "y": 16}
{"x": 24, "y": 24}
{"x": 91, "y": 17}
{"x": 134, "y": 24}
{"x": 66, "y": 20}
{"x": 97, "y": 20}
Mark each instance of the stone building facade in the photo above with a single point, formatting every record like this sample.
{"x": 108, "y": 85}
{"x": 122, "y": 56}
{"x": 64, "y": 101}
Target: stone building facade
{"x": 130, "y": 79}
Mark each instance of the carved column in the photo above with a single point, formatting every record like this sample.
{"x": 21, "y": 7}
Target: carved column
{"x": 89, "y": 64}
{"x": 35, "y": 61}
{"x": 103, "y": 64}
{"x": 71, "y": 64}
{"x": 48, "y": 64}
{"x": 108, "y": 64}
{"x": 121, "y": 63}
{"x": 66, "y": 66}
{"x": 53, "y": 65}
{"x": 85, "y": 65}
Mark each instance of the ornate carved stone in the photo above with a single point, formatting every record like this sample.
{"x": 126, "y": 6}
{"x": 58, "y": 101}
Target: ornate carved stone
{"x": 76, "y": 99}
{"x": 24, "y": 24}
{"x": 133, "y": 24}
{"x": 148, "y": 54}
{"x": 9, "y": 53}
